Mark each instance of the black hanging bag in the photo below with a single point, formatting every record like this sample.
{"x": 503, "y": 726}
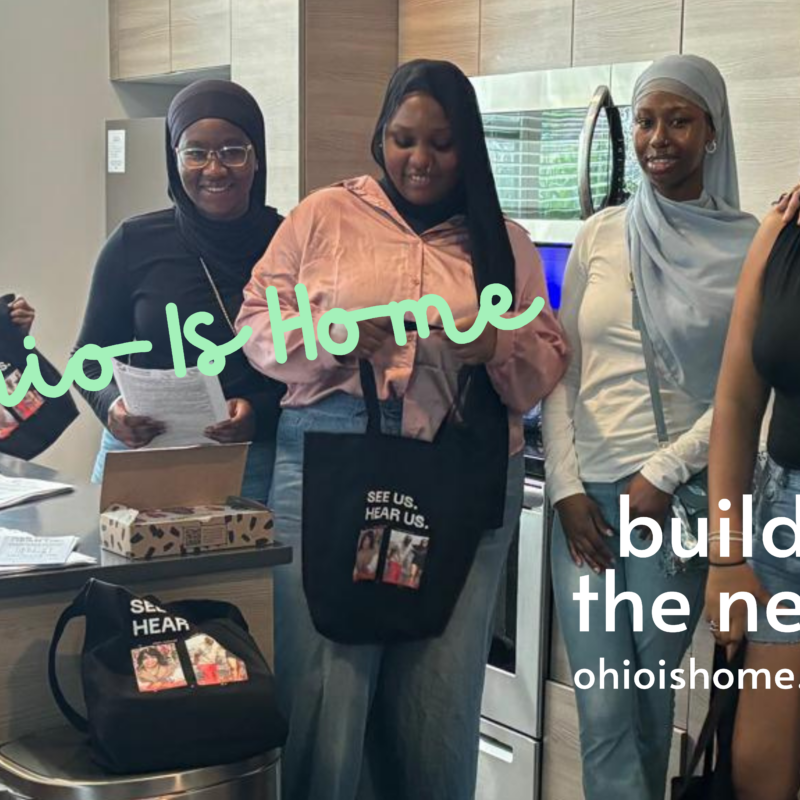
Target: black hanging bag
{"x": 715, "y": 743}
{"x": 30, "y": 427}
{"x": 391, "y": 524}
{"x": 168, "y": 686}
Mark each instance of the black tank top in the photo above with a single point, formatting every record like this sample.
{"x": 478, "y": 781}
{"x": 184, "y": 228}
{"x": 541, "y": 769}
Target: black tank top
{"x": 776, "y": 345}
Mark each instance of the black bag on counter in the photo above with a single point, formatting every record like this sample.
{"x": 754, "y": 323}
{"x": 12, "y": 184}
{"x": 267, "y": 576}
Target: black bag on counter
{"x": 168, "y": 686}
{"x": 391, "y": 524}
{"x": 30, "y": 427}
{"x": 715, "y": 742}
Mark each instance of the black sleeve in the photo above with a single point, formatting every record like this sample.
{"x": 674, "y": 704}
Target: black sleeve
{"x": 108, "y": 318}
{"x": 266, "y": 402}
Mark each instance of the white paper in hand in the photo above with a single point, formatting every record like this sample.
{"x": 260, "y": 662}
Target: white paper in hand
{"x": 186, "y": 406}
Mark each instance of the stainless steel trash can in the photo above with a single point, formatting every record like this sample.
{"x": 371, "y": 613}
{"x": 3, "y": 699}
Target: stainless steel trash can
{"x": 56, "y": 765}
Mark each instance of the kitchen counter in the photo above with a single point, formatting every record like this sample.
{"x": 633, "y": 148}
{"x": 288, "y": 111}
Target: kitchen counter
{"x": 77, "y": 514}
{"x": 31, "y": 602}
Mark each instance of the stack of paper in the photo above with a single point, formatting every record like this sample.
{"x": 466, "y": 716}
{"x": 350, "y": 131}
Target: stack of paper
{"x": 20, "y": 551}
{"x": 14, "y": 491}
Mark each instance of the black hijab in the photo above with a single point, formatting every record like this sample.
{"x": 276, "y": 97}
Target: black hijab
{"x": 233, "y": 246}
{"x": 476, "y": 195}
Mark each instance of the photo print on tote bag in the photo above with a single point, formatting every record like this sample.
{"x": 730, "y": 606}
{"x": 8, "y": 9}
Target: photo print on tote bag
{"x": 157, "y": 667}
{"x": 212, "y": 663}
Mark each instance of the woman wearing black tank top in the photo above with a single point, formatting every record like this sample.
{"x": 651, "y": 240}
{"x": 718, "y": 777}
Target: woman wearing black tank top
{"x": 761, "y": 357}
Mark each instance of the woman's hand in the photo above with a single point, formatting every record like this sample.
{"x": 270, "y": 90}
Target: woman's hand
{"x": 240, "y": 427}
{"x": 131, "y": 430}
{"x": 647, "y": 500}
{"x": 22, "y": 314}
{"x": 788, "y": 204}
{"x": 479, "y": 351}
{"x": 731, "y": 580}
{"x": 586, "y": 531}
{"x": 372, "y": 335}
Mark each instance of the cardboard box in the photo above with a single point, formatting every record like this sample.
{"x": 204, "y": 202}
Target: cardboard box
{"x": 179, "y": 501}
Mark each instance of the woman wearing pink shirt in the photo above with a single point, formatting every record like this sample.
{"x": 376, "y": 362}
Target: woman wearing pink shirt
{"x": 401, "y": 720}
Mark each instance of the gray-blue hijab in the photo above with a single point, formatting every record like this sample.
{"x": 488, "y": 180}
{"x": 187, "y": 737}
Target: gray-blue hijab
{"x": 686, "y": 257}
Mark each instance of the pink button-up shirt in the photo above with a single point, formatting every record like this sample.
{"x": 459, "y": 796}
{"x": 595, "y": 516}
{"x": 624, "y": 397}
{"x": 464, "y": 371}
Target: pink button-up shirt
{"x": 351, "y": 249}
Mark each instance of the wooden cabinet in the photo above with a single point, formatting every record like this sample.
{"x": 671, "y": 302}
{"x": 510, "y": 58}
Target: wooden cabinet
{"x": 615, "y": 31}
{"x": 200, "y": 34}
{"x": 265, "y": 59}
{"x": 139, "y": 38}
{"x": 152, "y": 39}
{"x": 441, "y": 29}
{"x": 523, "y": 35}
{"x": 319, "y": 71}
{"x": 757, "y": 55}
{"x": 344, "y": 84}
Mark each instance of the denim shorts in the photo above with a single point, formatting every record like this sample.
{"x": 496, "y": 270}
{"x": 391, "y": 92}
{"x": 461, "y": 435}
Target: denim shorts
{"x": 777, "y": 492}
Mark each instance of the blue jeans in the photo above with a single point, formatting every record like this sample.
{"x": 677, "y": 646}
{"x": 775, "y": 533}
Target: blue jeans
{"x": 398, "y": 721}
{"x": 257, "y": 473}
{"x": 777, "y": 497}
{"x": 625, "y": 733}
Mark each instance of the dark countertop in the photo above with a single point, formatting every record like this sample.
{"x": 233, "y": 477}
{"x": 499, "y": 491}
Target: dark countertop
{"x": 77, "y": 514}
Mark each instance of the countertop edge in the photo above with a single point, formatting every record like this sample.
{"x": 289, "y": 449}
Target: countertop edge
{"x": 132, "y": 571}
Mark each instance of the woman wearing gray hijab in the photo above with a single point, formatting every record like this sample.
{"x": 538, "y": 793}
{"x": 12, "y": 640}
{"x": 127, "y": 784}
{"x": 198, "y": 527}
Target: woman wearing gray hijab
{"x": 680, "y": 242}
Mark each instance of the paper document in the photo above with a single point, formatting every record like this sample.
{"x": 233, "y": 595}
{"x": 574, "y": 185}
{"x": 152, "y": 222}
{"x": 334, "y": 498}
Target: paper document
{"x": 74, "y": 560}
{"x": 186, "y": 406}
{"x": 14, "y": 491}
{"x": 20, "y": 549}
{"x": 24, "y": 552}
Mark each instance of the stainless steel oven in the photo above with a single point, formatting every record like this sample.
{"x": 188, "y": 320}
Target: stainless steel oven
{"x": 511, "y": 728}
{"x": 559, "y": 142}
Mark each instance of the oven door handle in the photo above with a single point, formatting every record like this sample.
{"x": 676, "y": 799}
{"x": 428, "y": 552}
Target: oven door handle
{"x": 616, "y": 195}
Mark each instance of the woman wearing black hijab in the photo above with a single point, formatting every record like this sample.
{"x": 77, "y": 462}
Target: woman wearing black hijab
{"x": 199, "y": 255}
{"x": 398, "y": 721}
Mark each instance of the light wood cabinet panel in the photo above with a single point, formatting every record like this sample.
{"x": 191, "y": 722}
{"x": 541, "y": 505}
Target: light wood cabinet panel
{"x": 766, "y": 115}
{"x": 441, "y": 29}
{"x": 318, "y": 70}
{"x": 522, "y": 35}
{"x": 561, "y": 764}
{"x": 748, "y": 45}
{"x": 200, "y": 33}
{"x": 140, "y": 44}
{"x": 345, "y": 80}
{"x": 615, "y": 31}
{"x": 265, "y": 50}
{"x": 757, "y": 55}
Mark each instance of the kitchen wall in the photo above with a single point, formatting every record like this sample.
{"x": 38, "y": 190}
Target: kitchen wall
{"x": 54, "y": 96}
{"x": 752, "y": 42}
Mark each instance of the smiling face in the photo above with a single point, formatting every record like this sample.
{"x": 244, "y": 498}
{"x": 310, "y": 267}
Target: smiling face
{"x": 670, "y": 135}
{"x": 218, "y": 192}
{"x": 419, "y": 151}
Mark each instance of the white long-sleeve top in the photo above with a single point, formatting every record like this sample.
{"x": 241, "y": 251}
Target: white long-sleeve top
{"x": 598, "y": 423}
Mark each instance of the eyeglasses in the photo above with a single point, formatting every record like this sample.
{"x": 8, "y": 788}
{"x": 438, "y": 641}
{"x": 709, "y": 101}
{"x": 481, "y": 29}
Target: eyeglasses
{"x": 233, "y": 156}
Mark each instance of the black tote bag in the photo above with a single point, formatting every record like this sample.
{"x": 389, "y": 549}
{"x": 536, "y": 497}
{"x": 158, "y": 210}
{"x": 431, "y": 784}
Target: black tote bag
{"x": 168, "y": 686}
{"x": 391, "y": 524}
{"x": 30, "y": 427}
{"x": 715, "y": 742}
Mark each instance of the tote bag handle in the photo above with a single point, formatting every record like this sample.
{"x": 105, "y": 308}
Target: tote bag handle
{"x": 74, "y": 610}
{"x": 720, "y": 711}
{"x": 370, "y": 391}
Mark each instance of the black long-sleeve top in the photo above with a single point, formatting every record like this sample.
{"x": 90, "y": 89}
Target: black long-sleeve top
{"x": 143, "y": 266}
{"x": 775, "y": 353}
